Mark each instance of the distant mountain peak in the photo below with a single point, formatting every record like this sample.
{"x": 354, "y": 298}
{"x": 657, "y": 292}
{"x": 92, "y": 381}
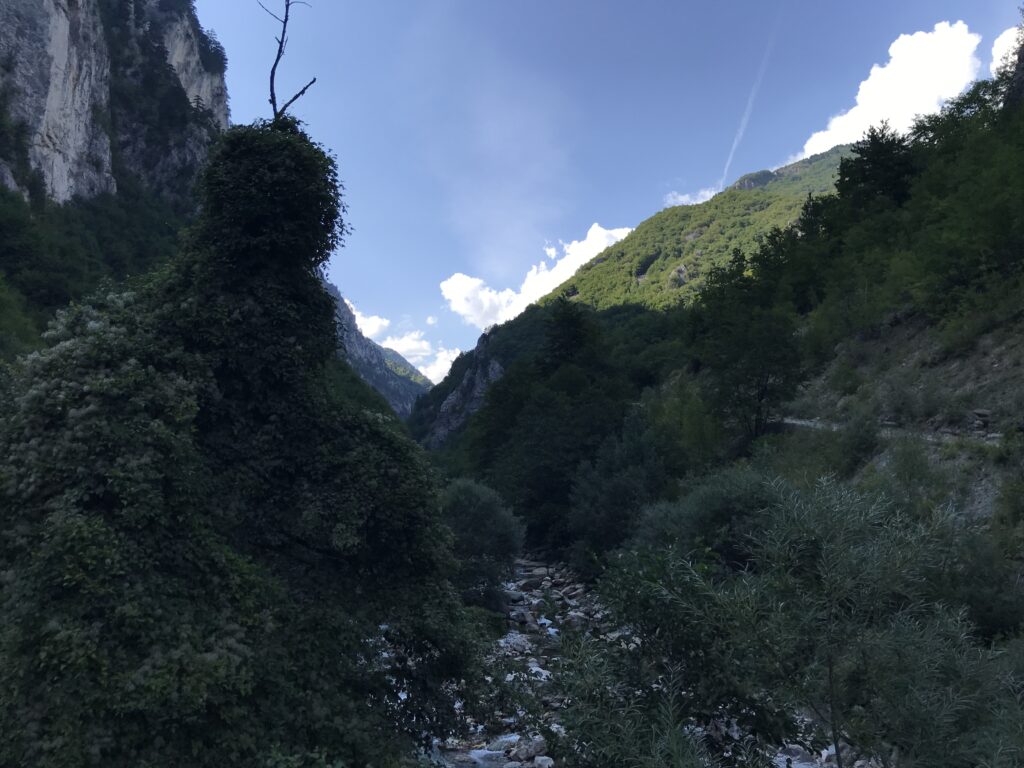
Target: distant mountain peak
{"x": 394, "y": 377}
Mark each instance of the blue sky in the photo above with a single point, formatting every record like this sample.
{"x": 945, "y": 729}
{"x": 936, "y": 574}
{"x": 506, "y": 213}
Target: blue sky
{"x": 480, "y": 142}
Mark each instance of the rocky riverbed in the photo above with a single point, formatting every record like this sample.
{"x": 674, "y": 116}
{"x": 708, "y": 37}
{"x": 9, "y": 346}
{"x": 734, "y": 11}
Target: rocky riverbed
{"x": 543, "y": 600}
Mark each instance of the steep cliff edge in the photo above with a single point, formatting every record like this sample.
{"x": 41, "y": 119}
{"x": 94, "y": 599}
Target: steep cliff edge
{"x": 205, "y": 87}
{"x": 56, "y": 68}
{"x": 102, "y": 91}
{"x": 447, "y": 408}
{"x": 385, "y": 370}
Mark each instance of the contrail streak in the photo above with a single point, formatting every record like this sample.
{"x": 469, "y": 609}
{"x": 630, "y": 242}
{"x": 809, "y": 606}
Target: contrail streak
{"x": 750, "y": 106}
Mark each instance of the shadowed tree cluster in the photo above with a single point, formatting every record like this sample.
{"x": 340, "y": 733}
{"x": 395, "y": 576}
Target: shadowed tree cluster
{"x": 212, "y": 556}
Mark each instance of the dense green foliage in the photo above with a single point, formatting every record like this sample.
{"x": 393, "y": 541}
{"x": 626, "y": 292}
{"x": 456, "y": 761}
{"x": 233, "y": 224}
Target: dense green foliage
{"x": 838, "y": 609}
{"x": 212, "y": 554}
{"x": 488, "y": 538}
{"x": 550, "y": 412}
{"x": 889, "y": 621}
{"x": 58, "y": 253}
{"x": 924, "y": 223}
{"x": 748, "y": 344}
{"x": 643, "y": 442}
{"x": 667, "y": 258}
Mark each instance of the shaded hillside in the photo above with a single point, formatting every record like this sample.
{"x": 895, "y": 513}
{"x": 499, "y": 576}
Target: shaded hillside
{"x": 107, "y": 113}
{"x": 666, "y": 258}
{"x": 444, "y": 410}
{"x": 390, "y": 374}
{"x": 659, "y": 265}
{"x": 602, "y": 408}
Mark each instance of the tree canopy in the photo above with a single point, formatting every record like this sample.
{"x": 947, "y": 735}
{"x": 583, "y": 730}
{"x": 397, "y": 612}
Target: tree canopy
{"x": 213, "y": 555}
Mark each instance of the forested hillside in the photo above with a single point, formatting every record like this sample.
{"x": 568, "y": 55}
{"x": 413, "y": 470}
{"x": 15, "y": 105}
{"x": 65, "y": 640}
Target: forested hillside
{"x": 766, "y": 456}
{"x": 214, "y": 554}
{"x": 666, "y": 259}
{"x": 863, "y": 562}
{"x": 662, "y": 263}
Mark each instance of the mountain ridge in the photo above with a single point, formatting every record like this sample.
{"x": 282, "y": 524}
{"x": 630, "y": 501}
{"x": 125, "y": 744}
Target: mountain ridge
{"x": 660, "y": 264}
{"x": 390, "y": 374}
{"x": 665, "y": 259}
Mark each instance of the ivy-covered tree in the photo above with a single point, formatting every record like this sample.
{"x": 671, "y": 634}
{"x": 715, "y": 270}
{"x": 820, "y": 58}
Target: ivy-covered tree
{"x": 211, "y": 556}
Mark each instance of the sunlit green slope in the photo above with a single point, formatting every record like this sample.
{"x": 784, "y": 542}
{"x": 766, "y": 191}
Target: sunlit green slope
{"x": 667, "y": 256}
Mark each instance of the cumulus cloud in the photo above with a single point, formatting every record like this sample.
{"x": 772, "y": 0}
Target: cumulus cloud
{"x": 480, "y": 305}
{"x": 1002, "y": 48}
{"x": 442, "y": 362}
{"x": 692, "y": 198}
{"x": 433, "y": 362}
{"x": 371, "y": 326}
{"x": 431, "y": 320}
{"x": 924, "y": 70}
{"x": 412, "y": 346}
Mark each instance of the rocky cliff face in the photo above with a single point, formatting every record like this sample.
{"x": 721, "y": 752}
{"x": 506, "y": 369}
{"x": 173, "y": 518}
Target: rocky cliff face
{"x": 383, "y": 369}
{"x": 102, "y": 88}
{"x": 56, "y": 65}
{"x": 478, "y": 371}
{"x": 184, "y": 53}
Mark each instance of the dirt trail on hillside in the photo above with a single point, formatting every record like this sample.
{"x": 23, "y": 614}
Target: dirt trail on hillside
{"x": 889, "y": 432}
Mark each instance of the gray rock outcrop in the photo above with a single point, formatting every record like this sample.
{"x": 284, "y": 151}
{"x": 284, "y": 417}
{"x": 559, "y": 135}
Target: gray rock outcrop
{"x": 466, "y": 398}
{"x": 60, "y": 65}
{"x": 201, "y": 85}
{"x": 57, "y": 69}
{"x": 394, "y": 377}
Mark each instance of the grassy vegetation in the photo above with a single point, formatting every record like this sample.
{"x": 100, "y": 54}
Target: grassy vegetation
{"x": 667, "y": 258}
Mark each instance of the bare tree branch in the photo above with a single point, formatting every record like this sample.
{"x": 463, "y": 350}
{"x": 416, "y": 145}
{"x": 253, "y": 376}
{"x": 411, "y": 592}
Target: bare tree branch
{"x": 270, "y": 12}
{"x": 298, "y": 95}
{"x": 282, "y": 45}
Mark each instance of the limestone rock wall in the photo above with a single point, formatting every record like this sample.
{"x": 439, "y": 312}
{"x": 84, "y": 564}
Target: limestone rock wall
{"x": 56, "y": 66}
{"x": 57, "y": 74}
{"x": 208, "y": 88}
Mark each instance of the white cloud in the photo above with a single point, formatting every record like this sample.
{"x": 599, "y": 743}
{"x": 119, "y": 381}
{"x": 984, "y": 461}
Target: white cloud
{"x": 480, "y": 305}
{"x": 412, "y": 346}
{"x": 693, "y": 198}
{"x": 433, "y": 362}
{"x": 370, "y": 325}
{"x": 924, "y": 70}
{"x": 1002, "y": 48}
{"x": 438, "y": 369}
{"x": 431, "y": 320}
{"x": 551, "y": 252}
